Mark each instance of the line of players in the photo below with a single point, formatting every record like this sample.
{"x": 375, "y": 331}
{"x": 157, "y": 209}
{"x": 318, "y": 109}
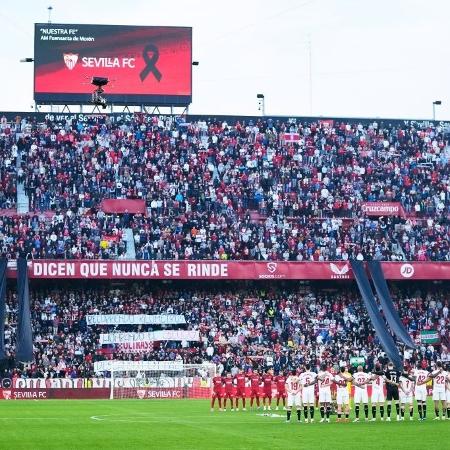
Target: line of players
{"x": 297, "y": 390}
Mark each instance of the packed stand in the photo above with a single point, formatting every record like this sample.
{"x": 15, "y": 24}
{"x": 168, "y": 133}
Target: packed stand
{"x": 63, "y": 236}
{"x": 241, "y": 191}
{"x": 241, "y": 326}
{"x": 8, "y": 169}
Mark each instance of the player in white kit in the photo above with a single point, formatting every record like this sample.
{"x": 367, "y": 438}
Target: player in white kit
{"x": 406, "y": 396}
{"x": 325, "y": 380}
{"x": 378, "y": 397}
{"x": 448, "y": 391}
{"x": 420, "y": 391}
{"x": 342, "y": 395}
{"x": 439, "y": 377}
{"x": 293, "y": 390}
{"x": 307, "y": 380}
{"x": 360, "y": 381}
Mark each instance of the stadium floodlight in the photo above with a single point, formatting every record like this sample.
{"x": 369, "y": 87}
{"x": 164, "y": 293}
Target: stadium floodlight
{"x": 27, "y": 60}
{"x": 436, "y": 103}
{"x": 261, "y": 105}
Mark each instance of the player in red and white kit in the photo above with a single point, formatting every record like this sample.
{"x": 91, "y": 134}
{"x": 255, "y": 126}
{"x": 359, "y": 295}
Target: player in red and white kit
{"x": 308, "y": 380}
{"x": 342, "y": 396}
{"x": 439, "y": 377}
{"x": 378, "y": 398}
{"x": 293, "y": 389}
{"x": 267, "y": 379}
{"x": 360, "y": 381}
{"x": 447, "y": 392}
{"x": 420, "y": 390}
{"x": 218, "y": 392}
{"x": 324, "y": 380}
{"x": 406, "y": 390}
{"x": 255, "y": 382}
{"x": 239, "y": 383}
{"x": 280, "y": 381}
{"x": 229, "y": 388}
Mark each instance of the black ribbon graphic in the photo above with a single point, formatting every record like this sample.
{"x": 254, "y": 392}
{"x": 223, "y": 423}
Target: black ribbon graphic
{"x": 150, "y": 62}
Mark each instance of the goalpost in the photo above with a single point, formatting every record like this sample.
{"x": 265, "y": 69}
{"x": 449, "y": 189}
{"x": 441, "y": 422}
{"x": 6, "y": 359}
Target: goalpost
{"x": 157, "y": 379}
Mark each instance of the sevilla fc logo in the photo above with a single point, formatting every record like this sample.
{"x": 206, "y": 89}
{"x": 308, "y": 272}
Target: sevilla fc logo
{"x": 141, "y": 393}
{"x": 6, "y": 395}
{"x": 339, "y": 272}
{"x": 271, "y": 267}
{"x": 70, "y": 59}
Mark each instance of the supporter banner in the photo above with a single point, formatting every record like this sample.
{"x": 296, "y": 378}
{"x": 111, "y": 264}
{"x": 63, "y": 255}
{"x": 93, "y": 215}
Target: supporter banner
{"x": 134, "y": 347}
{"x": 144, "y": 64}
{"x": 356, "y": 361}
{"x": 383, "y": 209}
{"x": 119, "y": 206}
{"x": 135, "y": 319}
{"x": 429, "y": 337}
{"x": 162, "y": 335}
{"x": 291, "y": 138}
{"x": 122, "y": 366}
{"x": 228, "y": 270}
{"x": 328, "y": 123}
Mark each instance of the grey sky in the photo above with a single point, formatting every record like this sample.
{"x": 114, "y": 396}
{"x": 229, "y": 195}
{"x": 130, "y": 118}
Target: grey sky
{"x": 384, "y": 58}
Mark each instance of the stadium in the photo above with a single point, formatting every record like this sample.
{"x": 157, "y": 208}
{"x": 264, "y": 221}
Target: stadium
{"x": 180, "y": 278}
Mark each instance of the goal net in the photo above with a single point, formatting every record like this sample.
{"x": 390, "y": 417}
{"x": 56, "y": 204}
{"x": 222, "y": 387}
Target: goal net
{"x": 157, "y": 379}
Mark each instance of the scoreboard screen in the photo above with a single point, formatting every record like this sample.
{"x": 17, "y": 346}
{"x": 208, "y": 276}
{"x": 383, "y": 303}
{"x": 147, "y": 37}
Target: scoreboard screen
{"x": 144, "y": 65}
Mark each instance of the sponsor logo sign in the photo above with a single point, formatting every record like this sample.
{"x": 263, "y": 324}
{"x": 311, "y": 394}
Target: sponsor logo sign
{"x": 382, "y": 208}
{"x": 340, "y": 271}
{"x": 407, "y": 270}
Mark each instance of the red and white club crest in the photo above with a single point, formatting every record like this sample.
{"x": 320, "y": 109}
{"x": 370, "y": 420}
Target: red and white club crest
{"x": 140, "y": 393}
{"x": 339, "y": 271}
{"x": 6, "y": 394}
{"x": 272, "y": 267}
{"x": 70, "y": 59}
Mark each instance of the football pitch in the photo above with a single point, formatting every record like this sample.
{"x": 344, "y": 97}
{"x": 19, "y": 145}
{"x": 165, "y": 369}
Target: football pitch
{"x": 189, "y": 424}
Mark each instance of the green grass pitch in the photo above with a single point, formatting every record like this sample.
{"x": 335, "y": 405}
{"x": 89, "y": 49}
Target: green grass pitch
{"x": 188, "y": 424}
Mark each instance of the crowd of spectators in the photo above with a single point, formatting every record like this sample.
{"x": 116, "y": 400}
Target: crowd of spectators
{"x": 63, "y": 236}
{"x": 227, "y": 191}
{"x": 241, "y": 325}
{"x": 8, "y": 169}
